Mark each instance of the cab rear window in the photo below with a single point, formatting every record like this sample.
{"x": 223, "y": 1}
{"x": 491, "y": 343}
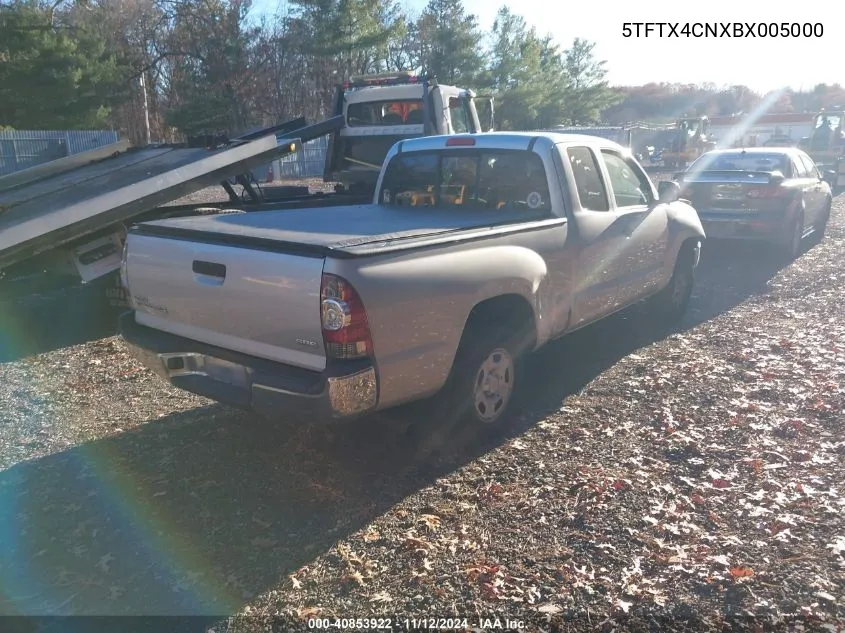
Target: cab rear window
{"x": 378, "y": 113}
{"x": 481, "y": 179}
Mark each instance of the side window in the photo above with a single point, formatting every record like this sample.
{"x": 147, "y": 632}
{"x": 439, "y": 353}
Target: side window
{"x": 458, "y": 114}
{"x": 799, "y": 169}
{"x": 812, "y": 170}
{"x": 631, "y": 188}
{"x": 588, "y": 183}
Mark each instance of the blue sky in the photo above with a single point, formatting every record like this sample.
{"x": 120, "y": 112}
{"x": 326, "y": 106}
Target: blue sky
{"x": 761, "y": 63}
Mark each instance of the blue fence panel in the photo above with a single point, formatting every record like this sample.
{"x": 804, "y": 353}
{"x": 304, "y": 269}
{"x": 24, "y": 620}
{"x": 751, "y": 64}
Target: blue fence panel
{"x": 21, "y": 149}
{"x": 308, "y": 163}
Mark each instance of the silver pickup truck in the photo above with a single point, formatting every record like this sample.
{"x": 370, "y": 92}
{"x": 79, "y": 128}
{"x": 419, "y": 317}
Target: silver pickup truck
{"x": 475, "y": 250}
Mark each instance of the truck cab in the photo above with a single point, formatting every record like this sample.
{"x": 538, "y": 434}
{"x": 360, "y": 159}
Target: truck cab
{"x": 380, "y": 110}
{"x": 826, "y": 146}
{"x": 691, "y": 140}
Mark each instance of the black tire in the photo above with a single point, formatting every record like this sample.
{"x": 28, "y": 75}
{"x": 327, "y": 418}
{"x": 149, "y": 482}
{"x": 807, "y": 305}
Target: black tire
{"x": 818, "y": 234}
{"x": 670, "y": 304}
{"x": 793, "y": 246}
{"x": 456, "y": 421}
{"x": 485, "y": 376}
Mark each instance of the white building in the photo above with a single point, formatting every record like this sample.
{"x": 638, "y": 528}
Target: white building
{"x": 748, "y": 131}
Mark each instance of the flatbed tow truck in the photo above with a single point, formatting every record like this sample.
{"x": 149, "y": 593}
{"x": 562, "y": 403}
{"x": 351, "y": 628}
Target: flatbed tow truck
{"x": 68, "y": 217}
{"x": 63, "y": 223}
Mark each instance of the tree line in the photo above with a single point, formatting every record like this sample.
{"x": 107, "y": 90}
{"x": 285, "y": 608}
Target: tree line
{"x": 194, "y": 66}
{"x": 206, "y": 65}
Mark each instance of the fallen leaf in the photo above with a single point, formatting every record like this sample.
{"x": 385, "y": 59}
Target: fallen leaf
{"x": 296, "y": 584}
{"x": 721, "y": 483}
{"x": 357, "y": 577}
{"x": 741, "y": 572}
{"x": 304, "y": 613}
{"x": 622, "y": 604}
{"x": 431, "y": 521}
{"x": 104, "y": 561}
{"x": 551, "y": 609}
{"x": 371, "y": 535}
{"x": 381, "y": 596}
{"x": 416, "y": 544}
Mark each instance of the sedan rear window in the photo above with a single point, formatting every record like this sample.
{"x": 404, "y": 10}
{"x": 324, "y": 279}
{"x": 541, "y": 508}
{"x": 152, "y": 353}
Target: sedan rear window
{"x": 481, "y": 179}
{"x": 748, "y": 161}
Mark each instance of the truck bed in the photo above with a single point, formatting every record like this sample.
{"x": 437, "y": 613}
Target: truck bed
{"x": 340, "y": 231}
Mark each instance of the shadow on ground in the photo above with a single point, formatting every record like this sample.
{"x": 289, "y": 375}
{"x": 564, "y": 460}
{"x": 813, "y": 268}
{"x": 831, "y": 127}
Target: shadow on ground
{"x": 198, "y": 511}
{"x": 47, "y": 321}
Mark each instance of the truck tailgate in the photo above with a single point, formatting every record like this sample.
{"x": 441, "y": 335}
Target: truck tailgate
{"x": 265, "y": 304}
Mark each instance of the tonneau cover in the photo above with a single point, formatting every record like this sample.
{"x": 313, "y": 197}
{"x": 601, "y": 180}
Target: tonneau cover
{"x": 336, "y": 227}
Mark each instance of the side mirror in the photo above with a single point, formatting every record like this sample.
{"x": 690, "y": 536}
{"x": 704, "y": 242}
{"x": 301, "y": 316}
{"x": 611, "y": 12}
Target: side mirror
{"x": 668, "y": 191}
{"x": 776, "y": 178}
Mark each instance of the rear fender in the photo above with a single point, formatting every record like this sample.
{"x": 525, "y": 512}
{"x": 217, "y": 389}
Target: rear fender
{"x": 418, "y": 303}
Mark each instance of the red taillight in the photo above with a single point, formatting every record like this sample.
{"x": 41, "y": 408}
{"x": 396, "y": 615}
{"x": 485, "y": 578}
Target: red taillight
{"x": 771, "y": 191}
{"x": 346, "y": 331}
{"x": 460, "y": 141}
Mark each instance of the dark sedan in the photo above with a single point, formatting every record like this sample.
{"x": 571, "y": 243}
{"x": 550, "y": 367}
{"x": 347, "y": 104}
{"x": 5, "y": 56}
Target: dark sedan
{"x": 772, "y": 194}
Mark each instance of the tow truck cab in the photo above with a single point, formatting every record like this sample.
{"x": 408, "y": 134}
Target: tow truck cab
{"x": 826, "y": 146}
{"x": 380, "y": 110}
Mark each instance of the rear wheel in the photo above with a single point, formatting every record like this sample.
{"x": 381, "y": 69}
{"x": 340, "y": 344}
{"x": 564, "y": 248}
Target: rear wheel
{"x": 478, "y": 400}
{"x": 818, "y": 235}
{"x": 485, "y": 377}
{"x": 791, "y": 249}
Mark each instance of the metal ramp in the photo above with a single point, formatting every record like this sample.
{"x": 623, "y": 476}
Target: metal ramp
{"x": 56, "y": 203}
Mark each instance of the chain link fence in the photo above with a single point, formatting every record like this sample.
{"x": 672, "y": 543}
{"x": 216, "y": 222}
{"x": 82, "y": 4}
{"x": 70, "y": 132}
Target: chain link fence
{"x": 308, "y": 163}
{"x": 21, "y": 149}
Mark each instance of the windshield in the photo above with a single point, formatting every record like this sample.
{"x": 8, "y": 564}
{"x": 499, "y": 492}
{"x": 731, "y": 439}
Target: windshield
{"x": 828, "y": 120}
{"x": 376, "y": 113}
{"x": 488, "y": 179}
{"x": 742, "y": 161}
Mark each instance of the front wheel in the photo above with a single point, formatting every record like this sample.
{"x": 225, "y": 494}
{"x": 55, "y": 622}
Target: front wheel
{"x": 670, "y": 304}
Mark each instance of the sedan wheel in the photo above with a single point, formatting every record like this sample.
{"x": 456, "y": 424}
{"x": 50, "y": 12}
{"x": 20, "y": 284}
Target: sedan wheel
{"x": 793, "y": 247}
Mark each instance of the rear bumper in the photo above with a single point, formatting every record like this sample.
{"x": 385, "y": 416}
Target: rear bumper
{"x": 269, "y": 388}
{"x": 769, "y": 227}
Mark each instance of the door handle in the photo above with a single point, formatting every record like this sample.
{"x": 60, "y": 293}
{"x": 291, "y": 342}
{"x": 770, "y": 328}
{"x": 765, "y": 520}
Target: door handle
{"x": 211, "y": 269}
{"x": 210, "y": 273}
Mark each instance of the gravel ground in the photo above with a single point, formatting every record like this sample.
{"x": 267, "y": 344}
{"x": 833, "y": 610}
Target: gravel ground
{"x": 689, "y": 481}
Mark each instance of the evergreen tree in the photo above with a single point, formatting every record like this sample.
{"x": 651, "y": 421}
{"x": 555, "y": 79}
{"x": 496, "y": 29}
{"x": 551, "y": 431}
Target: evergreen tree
{"x": 451, "y": 43}
{"x": 526, "y": 75}
{"x": 53, "y": 75}
{"x": 588, "y": 93}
